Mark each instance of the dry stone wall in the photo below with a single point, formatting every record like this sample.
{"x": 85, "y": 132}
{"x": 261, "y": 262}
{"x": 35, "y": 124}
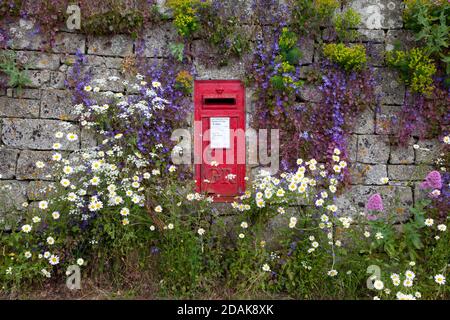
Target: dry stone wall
{"x": 29, "y": 119}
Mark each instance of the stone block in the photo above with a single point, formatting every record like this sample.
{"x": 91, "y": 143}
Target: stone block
{"x": 390, "y": 87}
{"x": 117, "y": 45}
{"x": 367, "y": 174}
{"x": 381, "y": 14}
{"x": 156, "y": 41}
{"x": 310, "y": 93}
{"x": 37, "y": 134}
{"x": 26, "y": 165}
{"x": 38, "y": 78}
{"x": 234, "y": 70}
{"x": 250, "y": 100}
{"x": 375, "y": 54}
{"x": 396, "y": 199}
{"x": 428, "y": 151}
{"x": 39, "y": 60}
{"x": 371, "y": 35}
{"x": 88, "y": 138}
{"x": 403, "y": 39}
{"x": 57, "y": 80}
{"x": 69, "y": 43}
{"x": 402, "y": 154}
{"x": 365, "y": 122}
{"x": 105, "y": 62}
{"x": 12, "y": 196}
{"x": 408, "y": 172}
{"x": 307, "y": 48}
{"x": 352, "y": 147}
{"x": 373, "y": 149}
{"x": 387, "y": 120}
{"x": 8, "y": 159}
{"x": 19, "y": 108}
{"x": 27, "y": 93}
{"x": 57, "y": 104}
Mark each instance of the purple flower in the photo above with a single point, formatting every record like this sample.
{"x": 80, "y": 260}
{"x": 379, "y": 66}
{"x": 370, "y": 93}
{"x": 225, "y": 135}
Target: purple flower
{"x": 375, "y": 203}
{"x": 432, "y": 181}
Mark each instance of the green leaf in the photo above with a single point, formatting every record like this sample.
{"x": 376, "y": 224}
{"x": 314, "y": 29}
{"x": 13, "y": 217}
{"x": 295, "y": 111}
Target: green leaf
{"x": 177, "y": 50}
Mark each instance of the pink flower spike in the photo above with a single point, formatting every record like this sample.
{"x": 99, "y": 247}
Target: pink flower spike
{"x": 432, "y": 181}
{"x": 375, "y": 203}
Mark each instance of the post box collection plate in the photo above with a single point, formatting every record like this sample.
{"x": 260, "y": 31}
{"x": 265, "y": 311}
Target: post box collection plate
{"x": 220, "y": 133}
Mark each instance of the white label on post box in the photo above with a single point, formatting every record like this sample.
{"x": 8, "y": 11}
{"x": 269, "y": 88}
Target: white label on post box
{"x": 220, "y": 133}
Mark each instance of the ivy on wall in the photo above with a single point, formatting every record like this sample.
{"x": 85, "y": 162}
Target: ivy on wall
{"x": 425, "y": 70}
{"x": 98, "y": 18}
{"x": 272, "y": 35}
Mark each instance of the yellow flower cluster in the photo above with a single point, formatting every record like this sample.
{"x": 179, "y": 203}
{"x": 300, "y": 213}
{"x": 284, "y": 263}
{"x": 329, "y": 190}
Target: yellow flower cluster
{"x": 325, "y": 8}
{"x": 352, "y": 58}
{"x": 185, "y": 15}
{"x": 416, "y": 67}
{"x": 184, "y": 80}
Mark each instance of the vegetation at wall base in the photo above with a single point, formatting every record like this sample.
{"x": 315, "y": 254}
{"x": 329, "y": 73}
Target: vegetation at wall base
{"x": 127, "y": 216}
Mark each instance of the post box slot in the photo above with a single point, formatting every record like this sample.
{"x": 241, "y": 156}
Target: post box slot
{"x": 220, "y": 101}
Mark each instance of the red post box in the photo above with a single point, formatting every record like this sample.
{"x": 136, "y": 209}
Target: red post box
{"x": 219, "y": 138}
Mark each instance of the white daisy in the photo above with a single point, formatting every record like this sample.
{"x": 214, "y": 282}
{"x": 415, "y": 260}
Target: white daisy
{"x": 410, "y": 275}
{"x": 439, "y": 279}
{"x": 27, "y": 228}
{"x": 72, "y": 136}
{"x": 54, "y": 260}
{"x": 124, "y": 212}
{"x": 65, "y": 182}
{"x": 378, "y": 284}
{"x": 43, "y": 205}
{"x": 36, "y": 219}
{"x": 40, "y": 164}
{"x": 332, "y": 273}
{"x": 56, "y": 146}
{"x": 56, "y": 156}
